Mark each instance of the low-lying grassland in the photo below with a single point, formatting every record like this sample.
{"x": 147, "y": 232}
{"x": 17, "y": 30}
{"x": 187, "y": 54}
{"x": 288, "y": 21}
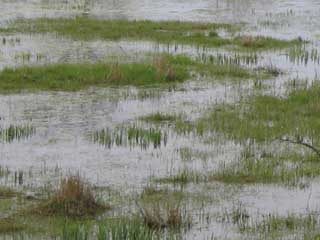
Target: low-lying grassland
{"x": 164, "y": 31}
{"x": 287, "y": 168}
{"x": 164, "y": 69}
{"x": 73, "y": 77}
{"x": 267, "y": 118}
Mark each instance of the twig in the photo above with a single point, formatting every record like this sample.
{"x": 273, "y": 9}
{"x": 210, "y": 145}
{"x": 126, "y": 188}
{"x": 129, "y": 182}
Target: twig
{"x": 301, "y": 142}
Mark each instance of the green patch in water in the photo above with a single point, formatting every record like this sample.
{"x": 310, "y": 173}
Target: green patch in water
{"x": 159, "y": 118}
{"x": 12, "y": 133}
{"x": 131, "y": 136}
{"x": 165, "y": 32}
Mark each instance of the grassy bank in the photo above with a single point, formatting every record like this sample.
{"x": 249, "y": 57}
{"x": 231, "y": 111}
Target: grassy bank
{"x": 193, "y": 33}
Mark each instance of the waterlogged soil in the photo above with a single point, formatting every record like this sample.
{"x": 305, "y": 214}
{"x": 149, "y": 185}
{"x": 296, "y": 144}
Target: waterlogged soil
{"x": 65, "y": 122}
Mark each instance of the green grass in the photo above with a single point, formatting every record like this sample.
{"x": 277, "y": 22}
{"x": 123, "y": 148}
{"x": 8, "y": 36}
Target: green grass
{"x": 159, "y": 117}
{"x": 7, "y": 192}
{"x": 283, "y": 168}
{"x": 73, "y": 77}
{"x": 183, "y": 177}
{"x": 130, "y": 136}
{"x": 267, "y": 118}
{"x": 165, "y": 32}
{"x": 164, "y": 69}
{"x": 289, "y": 223}
{"x": 12, "y": 133}
{"x": 8, "y": 225}
{"x": 124, "y": 228}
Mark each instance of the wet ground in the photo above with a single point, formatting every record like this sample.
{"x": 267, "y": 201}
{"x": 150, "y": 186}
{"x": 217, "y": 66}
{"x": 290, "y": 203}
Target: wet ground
{"x": 65, "y": 121}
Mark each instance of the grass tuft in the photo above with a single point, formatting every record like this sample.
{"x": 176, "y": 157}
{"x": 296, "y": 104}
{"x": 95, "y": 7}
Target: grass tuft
{"x": 74, "y": 198}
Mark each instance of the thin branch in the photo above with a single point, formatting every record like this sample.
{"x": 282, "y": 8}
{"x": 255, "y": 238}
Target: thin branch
{"x": 301, "y": 142}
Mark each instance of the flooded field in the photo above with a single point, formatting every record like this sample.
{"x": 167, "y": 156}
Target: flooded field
{"x": 154, "y": 119}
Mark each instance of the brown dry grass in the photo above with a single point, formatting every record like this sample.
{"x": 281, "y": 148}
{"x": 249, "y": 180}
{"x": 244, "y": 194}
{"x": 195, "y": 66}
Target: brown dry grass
{"x": 160, "y": 217}
{"x": 74, "y": 198}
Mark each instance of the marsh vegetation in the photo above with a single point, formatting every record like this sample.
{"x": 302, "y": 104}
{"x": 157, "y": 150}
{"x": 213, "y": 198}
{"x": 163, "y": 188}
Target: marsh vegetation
{"x": 182, "y": 123}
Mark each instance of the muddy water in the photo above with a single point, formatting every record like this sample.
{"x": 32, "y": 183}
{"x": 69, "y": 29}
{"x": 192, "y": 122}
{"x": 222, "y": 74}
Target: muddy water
{"x": 65, "y": 121}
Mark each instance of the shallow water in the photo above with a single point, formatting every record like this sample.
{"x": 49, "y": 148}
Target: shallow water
{"x": 65, "y": 121}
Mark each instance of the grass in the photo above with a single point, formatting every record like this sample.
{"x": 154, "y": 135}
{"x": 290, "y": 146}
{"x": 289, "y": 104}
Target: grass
{"x": 74, "y": 198}
{"x": 158, "y": 215}
{"x": 8, "y": 225}
{"x": 12, "y": 133}
{"x": 132, "y": 136}
{"x": 7, "y": 192}
{"x": 159, "y": 117}
{"x": 261, "y": 42}
{"x": 73, "y": 77}
{"x": 290, "y": 223}
{"x": 164, "y": 69}
{"x": 165, "y": 32}
{"x": 119, "y": 228}
{"x": 267, "y": 118}
{"x": 284, "y": 168}
{"x": 183, "y": 177}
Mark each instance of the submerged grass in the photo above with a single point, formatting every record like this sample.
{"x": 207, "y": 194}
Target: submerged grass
{"x": 165, "y": 31}
{"x": 122, "y": 228}
{"x": 264, "y": 119}
{"x": 267, "y": 118}
{"x": 12, "y": 133}
{"x": 183, "y": 177}
{"x": 130, "y": 136}
{"x": 290, "y": 223}
{"x": 285, "y": 168}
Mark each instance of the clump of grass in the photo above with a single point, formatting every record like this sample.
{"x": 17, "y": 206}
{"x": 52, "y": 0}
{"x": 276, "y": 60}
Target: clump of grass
{"x": 159, "y": 117}
{"x": 16, "y": 133}
{"x": 261, "y": 42}
{"x": 7, "y": 192}
{"x": 290, "y": 223}
{"x": 119, "y": 228}
{"x": 301, "y": 55}
{"x": 183, "y": 177}
{"x": 8, "y": 225}
{"x": 271, "y": 70}
{"x": 125, "y": 229}
{"x": 132, "y": 136}
{"x": 238, "y": 216}
{"x": 158, "y": 216}
{"x": 188, "y": 154}
{"x": 227, "y": 59}
{"x": 74, "y": 198}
